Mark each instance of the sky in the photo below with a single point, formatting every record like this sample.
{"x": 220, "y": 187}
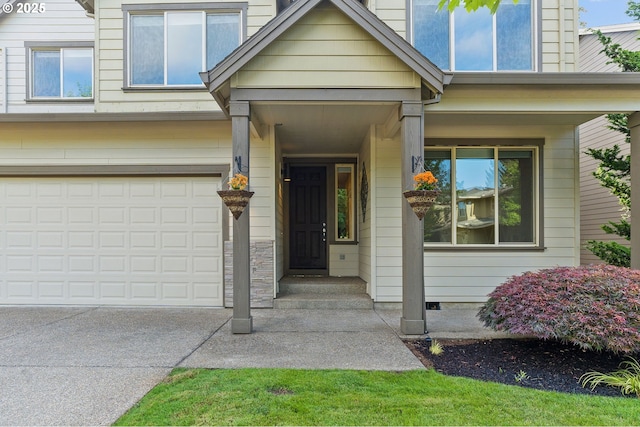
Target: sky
{"x": 604, "y": 12}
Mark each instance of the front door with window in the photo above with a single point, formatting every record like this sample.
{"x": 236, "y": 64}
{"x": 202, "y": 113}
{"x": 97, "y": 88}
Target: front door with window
{"x": 308, "y": 218}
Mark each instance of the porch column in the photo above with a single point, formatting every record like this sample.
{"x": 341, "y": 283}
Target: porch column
{"x": 413, "y": 320}
{"x": 634, "y": 127}
{"x": 241, "y": 322}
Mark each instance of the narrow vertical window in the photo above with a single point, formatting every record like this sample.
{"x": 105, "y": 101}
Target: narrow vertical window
{"x": 473, "y": 37}
{"x": 437, "y": 222}
{"x": 184, "y": 47}
{"x": 431, "y": 31}
{"x": 223, "y": 36}
{"x": 77, "y": 81}
{"x": 46, "y": 74}
{"x": 475, "y": 196}
{"x": 345, "y": 206}
{"x": 514, "y": 36}
{"x": 147, "y": 50}
{"x": 516, "y": 196}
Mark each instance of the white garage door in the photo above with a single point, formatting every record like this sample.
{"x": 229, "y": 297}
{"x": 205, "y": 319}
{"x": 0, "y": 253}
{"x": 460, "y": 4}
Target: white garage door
{"x": 121, "y": 241}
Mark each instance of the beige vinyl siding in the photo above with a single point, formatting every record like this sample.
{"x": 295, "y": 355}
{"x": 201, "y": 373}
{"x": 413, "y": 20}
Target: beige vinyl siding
{"x": 468, "y": 276}
{"x": 326, "y": 49}
{"x": 347, "y": 267}
{"x": 394, "y": 14}
{"x": 260, "y": 12}
{"x": 597, "y": 205}
{"x": 559, "y": 35}
{"x": 3, "y": 80}
{"x": 386, "y": 220}
{"x": 63, "y": 20}
{"x": 139, "y": 143}
{"x": 110, "y": 60}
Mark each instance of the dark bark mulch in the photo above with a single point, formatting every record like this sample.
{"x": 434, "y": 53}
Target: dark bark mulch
{"x": 548, "y": 365}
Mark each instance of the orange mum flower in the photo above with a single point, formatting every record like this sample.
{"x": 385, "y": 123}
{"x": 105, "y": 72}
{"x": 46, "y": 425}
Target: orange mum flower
{"x": 425, "y": 181}
{"x": 238, "y": 182}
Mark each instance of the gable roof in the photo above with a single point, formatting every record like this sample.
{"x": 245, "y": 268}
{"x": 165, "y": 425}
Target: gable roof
{"x": 432, "y": 77}
{"x": 5, "y": 10}
{"x": 88, "y": 5}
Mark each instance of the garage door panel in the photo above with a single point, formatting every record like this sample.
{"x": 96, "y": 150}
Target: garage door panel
{"x": 140, "y": 241}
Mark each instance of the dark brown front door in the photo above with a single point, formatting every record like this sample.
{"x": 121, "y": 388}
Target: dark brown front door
{"x": 308, "y": 218}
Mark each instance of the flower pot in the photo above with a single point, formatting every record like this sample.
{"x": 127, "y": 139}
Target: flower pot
{"x": 236, "y": 200}
{"x": 421, "y": 200}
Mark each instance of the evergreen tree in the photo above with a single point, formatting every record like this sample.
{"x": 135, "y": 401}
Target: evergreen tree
{"x": 614, "y": 170}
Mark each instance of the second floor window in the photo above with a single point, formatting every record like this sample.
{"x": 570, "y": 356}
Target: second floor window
{"x": 170, "y": 48}
{"x": 61, "y": 73}
{"x": 475, "y": 41}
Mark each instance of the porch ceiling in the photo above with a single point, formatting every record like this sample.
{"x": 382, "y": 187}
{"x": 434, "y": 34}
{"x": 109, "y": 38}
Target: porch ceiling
{"x": 328, "y": 128}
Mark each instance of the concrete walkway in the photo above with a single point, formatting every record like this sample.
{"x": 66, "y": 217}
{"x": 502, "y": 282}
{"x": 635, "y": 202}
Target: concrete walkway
{"x": 88, "y": 365}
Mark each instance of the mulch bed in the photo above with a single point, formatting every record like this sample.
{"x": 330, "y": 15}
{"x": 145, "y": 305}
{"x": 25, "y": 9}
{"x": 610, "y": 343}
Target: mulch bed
{"x": 548, "y": 365}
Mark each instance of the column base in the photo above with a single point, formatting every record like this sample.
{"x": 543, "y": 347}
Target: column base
{"x": 412, "y": 327}
{"x": 241, "y": 326}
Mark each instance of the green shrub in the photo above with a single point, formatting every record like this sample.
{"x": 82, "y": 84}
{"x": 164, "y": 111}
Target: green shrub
{"x": 627, "y": 378}
{"x": 596, "y": 307}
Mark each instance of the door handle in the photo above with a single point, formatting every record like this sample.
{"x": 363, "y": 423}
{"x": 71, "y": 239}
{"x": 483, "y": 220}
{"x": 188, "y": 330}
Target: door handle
{"x": 324, "y": 231}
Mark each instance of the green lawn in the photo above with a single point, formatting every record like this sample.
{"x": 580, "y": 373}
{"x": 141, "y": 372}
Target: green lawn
{"x": 332, "y": 397}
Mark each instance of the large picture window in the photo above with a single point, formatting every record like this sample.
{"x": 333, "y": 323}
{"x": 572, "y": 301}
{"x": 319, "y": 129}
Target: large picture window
{"x": 488, "y": 196}
{"x": 171, "y": 47}
{"x": 475, "y": 41}
{"x": 61, "y": 73}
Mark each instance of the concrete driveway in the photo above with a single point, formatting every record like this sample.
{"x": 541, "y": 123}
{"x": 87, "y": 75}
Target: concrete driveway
{"x": 88, "y": 365}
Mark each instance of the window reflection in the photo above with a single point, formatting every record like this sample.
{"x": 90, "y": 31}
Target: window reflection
{"x": 491, "y": 186}
{"x": 345, "y": 215}
{"x": 478, "y": 40}
{"x": 475, "y": 196}
{"x": 473, "y": 39}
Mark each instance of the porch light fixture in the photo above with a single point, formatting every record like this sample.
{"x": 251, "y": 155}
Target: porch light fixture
{"x": 286, "y": 173}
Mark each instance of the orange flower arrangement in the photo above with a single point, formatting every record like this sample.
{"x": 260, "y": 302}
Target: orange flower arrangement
{"x": 238, "y": 182}
{"x": 425, "y": 181}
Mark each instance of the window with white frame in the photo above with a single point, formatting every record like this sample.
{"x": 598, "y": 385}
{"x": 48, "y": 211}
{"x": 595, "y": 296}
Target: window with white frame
{"x": 489, "y": 196}
{"x": 64, "y": 73}
{"x": 171, "y": 47}
{"x": 478, "y": 40}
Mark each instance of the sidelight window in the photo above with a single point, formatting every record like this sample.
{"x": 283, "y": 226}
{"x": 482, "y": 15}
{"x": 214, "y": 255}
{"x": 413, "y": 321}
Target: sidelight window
{"x": 345, "y": 202}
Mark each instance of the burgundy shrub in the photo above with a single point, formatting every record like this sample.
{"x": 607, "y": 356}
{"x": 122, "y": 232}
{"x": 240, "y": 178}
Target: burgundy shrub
{"x": 596, "y": 307}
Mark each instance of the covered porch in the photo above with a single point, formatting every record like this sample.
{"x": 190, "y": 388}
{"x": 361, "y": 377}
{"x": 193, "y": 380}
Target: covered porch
{"x": 368, "y": 100}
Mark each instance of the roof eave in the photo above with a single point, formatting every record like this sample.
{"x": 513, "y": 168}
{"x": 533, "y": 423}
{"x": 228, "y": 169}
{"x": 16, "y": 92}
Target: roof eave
{"x": 88, "y": 5}
{"x": 532, "y": 79}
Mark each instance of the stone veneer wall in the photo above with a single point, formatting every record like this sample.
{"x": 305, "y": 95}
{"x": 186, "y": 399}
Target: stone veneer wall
{"x": 261, "y": 254}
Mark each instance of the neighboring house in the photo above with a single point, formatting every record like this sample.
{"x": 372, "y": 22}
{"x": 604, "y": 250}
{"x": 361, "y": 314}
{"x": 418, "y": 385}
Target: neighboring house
{"x": 330, "y": 107}
{"x": 597, "y": 205}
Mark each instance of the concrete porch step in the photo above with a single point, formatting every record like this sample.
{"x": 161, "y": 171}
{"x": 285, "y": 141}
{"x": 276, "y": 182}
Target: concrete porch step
{"x": 322, "y": 285}
{"x": 323, "y": 293}
{"x": 323, "y": 301}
